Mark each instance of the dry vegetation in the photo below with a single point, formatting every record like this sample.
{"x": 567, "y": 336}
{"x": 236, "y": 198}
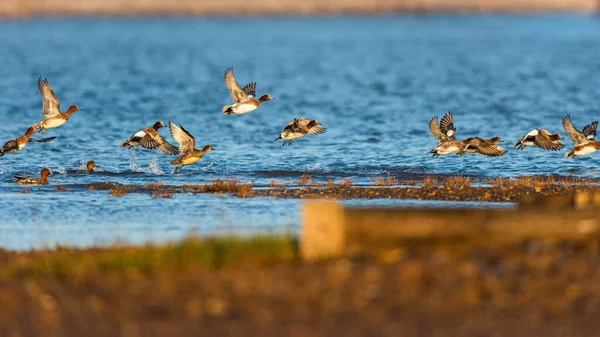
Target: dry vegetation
{"x": 118, "y": 191}
{"x": 385, "y": 181}
{"x": 277, "y": 184}
{"x": 306, "y": 179}
{"x": 458, "y": 182}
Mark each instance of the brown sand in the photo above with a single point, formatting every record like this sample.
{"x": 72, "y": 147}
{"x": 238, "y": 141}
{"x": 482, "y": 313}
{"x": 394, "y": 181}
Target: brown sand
{"x": 25, "y": 8}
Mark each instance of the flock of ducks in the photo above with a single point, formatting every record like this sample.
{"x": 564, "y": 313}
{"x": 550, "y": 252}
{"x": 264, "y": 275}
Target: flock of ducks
{"x": 149, "y": 138}
{"x": 445, "y": 131}
{"x": 245, "y": 101}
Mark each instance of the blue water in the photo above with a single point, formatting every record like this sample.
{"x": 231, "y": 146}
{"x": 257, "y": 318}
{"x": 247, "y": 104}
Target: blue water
{"x": 374, "y": 82}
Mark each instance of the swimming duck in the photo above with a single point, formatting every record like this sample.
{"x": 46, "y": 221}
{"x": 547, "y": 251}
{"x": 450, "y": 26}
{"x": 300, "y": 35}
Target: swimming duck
{"x": 446, "y": 133}
{"x": 243, "y": 97}
{"x": 89, "y": 167}
{"x": 51, "y": 108}
{"x": 34, "y": 181}
{"x": 300, "y": 127}
{"x": 151, "y": 139}
{"x": 584, "y": 141}
{"x": 187, "y": 147}
{"x": 542, "y": 138}
{"x": 19, "y": 143}
{"x": 484, "y": 146}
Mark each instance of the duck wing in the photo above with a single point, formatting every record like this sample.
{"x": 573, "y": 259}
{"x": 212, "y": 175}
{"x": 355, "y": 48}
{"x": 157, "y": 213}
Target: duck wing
{"x": 491, "y": 150}
{"x": 434, "y": 127}
{"x": 309, "y": 127}
{"x": 589, "y": 131}
{"x": 51, "y": 104}
{"x": 447, "y": 126}
{"x": 250, "y": 90}
{"x": 186, "y": 141}
{"x": 237, "y": 93}
{"x": 43, "y": 140}
{"x": 577, "y": 137}
{"x": 543, "y": 141}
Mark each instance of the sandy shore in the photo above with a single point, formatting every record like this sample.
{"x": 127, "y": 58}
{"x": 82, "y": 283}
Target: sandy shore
{"x": 26, "y": 8}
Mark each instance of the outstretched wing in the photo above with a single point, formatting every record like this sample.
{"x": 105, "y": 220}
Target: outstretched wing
{"x": 434, "y": 127}
{"x": 543, "y": 141}
{"x": 589, "y": 131}
{"x": 491, "y": 150}
{"x": 250, "y": 90}
{"x": 186, "y": 141}
{"x": 447, "y": 126}
{"x": 577, "y": 137}
{"x": 237, "y": 93}
{"x": 51, "y": 103}
{"x": 43, "y": 140}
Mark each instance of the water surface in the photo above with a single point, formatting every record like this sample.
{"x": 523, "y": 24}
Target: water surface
{"x": 374, "y": 82}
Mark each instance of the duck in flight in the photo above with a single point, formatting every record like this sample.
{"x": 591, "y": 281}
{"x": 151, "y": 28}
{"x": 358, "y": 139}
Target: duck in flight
{"x": 51, "y": 108}
{"x": 446, "y": 133}
{"x": 584, "y": 140}
{"x": 187, "y": 147}
{"x": 244, "y": 98}
{"x": 34, "y": 181}
{"x": 149, "y": 138}
{"x": 542, "y": 138}
{"x": 19, "y": 143}
{"x": 488, "y": 147}
{"x": 300, "y": 127}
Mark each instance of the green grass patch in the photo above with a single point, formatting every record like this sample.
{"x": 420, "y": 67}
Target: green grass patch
{"x": 192, "y": 253}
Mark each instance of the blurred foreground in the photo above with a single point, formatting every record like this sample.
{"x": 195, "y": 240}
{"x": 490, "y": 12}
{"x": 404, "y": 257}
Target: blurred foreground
{"x": 522, "y": 287}
{"x": 23, "y": 8}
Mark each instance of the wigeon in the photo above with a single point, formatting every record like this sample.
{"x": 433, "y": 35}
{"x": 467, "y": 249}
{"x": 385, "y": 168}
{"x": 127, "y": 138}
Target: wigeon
{"x": 300, "y": 127}
{"x": 484, "y": 146}
{"x": 584, "y": 141}
{"x": 19, "y": 143}
{"x": 34, "y": 181}
{"x": 243, "y": 97}
{"x": 151, "y": 139}
{"x": 187, "y": 147}
{"x": 89, "y": 167}
{"x": 541, "y": 138}
{"x": 51, "y": 108}
{"x": 446, "y": 133}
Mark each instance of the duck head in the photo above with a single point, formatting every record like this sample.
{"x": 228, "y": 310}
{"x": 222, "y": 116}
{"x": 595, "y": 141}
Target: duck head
{"x": 265, "y": 98}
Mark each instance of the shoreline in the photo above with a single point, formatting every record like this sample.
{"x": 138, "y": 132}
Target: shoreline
{"x": 237, "y": 8}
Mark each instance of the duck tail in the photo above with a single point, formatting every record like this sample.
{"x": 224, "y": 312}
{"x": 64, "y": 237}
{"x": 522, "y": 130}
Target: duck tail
{"x": 228, "y": 110}
{"x": 278, "y": 138}
{"x": 434, "y": 153}
{"x": 517, "y": 144}
{"x": 126, "y": 143}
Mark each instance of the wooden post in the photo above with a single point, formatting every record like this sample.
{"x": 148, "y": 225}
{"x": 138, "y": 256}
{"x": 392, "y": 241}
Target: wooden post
{"x": 323, "y": 233}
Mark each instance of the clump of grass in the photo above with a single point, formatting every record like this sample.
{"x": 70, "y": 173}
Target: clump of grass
{"x": 458, "y": 182}
{"x": 277, "y": 184}
{"x": 66, "y": 263}
{"x": 246, "y": 191}
{"x": 345, "y": 183}
{"x": 385, "y": 181}
{"x": 220, "y": 186}
{"x": 306, "y": 179}
{"x": 118, "y": 191}
{"x": 429, "y": 181}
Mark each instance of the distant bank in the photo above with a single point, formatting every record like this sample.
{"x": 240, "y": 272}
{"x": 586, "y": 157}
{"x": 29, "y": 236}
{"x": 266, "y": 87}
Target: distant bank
{"x": 27, "y": 8}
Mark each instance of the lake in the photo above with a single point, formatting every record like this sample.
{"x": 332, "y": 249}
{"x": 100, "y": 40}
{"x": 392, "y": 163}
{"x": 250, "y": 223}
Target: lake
{"x": 374, "y": 82}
